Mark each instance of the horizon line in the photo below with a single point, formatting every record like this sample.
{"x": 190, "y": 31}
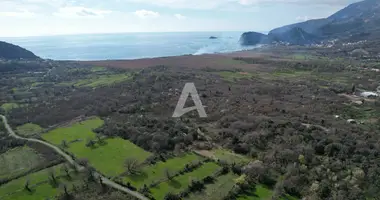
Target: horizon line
{"x": 131, "y": 32}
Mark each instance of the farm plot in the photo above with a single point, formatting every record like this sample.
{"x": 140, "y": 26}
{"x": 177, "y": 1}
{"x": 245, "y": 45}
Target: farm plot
{"x": 157, "y": 172}
{"x": 99, "y": 81}
{"x": 260, "y": 192}
{"x": 180, "y": 183}
{"x": 214, "y": 191}
{"x": 107, "y": 156}
{"x": 17, "y": 161}
{"x": 39, "y": 184}
{"x": 78, "y": 131}
{"x": 28, "y": 129}
{"x": 9, "y": 106}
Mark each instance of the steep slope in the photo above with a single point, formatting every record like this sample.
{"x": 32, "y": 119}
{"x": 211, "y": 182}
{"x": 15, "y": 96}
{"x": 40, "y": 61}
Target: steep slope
{"x": 253, "y": 38}
{"x": 357, "y": 21}
{"x": 309, "y": 26}
{"x": 10, "y": 51}
{"x": 296, "y": 36}
{"x": 357, "y": 18}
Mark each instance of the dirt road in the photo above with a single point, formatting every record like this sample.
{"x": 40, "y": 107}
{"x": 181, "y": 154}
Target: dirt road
{"x": 69, "y": 159}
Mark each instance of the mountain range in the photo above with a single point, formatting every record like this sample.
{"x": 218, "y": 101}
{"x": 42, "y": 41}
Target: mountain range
{"x": 355, "y": 22}
{"x": 11, "y": 52}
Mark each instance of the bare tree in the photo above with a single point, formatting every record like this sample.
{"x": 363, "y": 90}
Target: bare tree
{"x": 27, "y": 185}
{"x": 66, "y": 169}
{"x": 52, "y": 177}
{"x": 132, "y": 165}
{"x": 64, "y": 144}
{"x": 66, "y": 194}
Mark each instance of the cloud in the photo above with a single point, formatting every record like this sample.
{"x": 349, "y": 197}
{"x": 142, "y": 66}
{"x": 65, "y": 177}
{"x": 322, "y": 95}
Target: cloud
{"x": 146, "y": 14}
{"x": 20, "y": 13}
{"x": 78, "y": 11}
{"x": 225, "y": 4}
{"x": 302, "y": 18}
{"x": 179, "y": 16}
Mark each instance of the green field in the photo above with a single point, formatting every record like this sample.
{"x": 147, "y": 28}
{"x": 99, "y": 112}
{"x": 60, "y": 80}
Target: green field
{"x": 98, "y": 69}
{"x": 216, "y": 191}
{"x": 99, "y": 81}
{"x": 109, "y": 158}
{"x": 181, "y": 182}
{"x": 81, "y": 130}
{"x": 230, "y": 156}
{"x": 9, "y": 106}
{"x": 232, "y": 76}
{"x": 156, "y": 172}
{"x": 259, "y": 193}
{"x": 38, "y": 183}
{"x": 28, "y": 129}
{"x": 291, "y": 74}
{"x": 18, "y": 161}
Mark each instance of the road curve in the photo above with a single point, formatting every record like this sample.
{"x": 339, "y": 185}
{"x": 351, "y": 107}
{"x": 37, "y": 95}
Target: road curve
{"x": 69, "y": 159}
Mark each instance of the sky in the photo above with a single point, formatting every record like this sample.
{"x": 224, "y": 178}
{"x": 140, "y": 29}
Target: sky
{"x": 61, "y": 17}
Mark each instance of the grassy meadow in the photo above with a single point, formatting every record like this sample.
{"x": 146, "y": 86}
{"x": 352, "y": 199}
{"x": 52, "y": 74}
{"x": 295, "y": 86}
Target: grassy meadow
{"x": 28, "y": 129}
{"x": 156, "y": 172}
{"x": 17, "y": 161}
{"x": 179, "y": 183}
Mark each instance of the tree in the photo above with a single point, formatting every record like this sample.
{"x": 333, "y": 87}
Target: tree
{"x": 101, "y": 140}
{"x": 132, "y": 165}
{"x": 90, "y": 172}
{"x": 26, "y": 186}
{"x": 66, "y": 194}
{"x": 83, "y": 162}
{"x": 66, "y": 169}
{"x": 171, "y": 196}
{"x": 64, "y": 144}
{"x": 353, "y": 89}
{"x": 168, "y": 174}
{"x": 90, "y": 143}
{"x": 52, "y": 178}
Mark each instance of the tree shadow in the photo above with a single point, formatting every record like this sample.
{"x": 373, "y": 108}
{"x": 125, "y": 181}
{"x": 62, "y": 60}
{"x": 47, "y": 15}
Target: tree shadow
{"x": 139, "y": 177}
{"x": 102, "y": 143}
{"x": 175, "y": 184}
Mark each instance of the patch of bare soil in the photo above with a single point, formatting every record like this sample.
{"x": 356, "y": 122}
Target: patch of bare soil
{"x": 205, "y": 153}
{"x": 356, "y": 99}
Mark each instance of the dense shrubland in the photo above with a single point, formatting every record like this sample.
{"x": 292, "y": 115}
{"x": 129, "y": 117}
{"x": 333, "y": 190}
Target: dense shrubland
{"x": 284, "y": 115}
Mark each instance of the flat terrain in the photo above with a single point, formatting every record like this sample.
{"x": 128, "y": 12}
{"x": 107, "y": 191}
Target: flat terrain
{"x": 213, "y": 191}
{"x": 9, "y": 106}
{"x": 78, "y": 131}
{"x": 179, "y": 183}
{"x": 18, "y": 160}
{"x": 287, "y": 122}
{"x": 39, "y": 184}
{"x": 202, "y": 61}
{"x": 156, "y": 172}
{"x": 108, "y": 157}
{"x": 28, "y": 129}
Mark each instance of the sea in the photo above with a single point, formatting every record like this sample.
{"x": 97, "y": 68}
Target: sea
{"x": 129, "y": 45}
